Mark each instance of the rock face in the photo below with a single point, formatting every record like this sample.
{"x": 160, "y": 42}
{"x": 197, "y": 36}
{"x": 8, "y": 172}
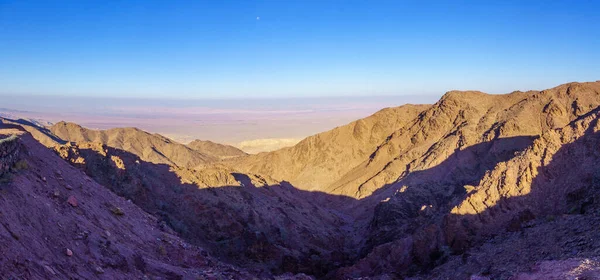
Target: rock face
{"x": 421, "y": 189}
{"x": 556, "y": 174}
{"x": 533, "y": 161}
{"x": 215, "y": 149}
{"x": 9, "y": 149}
{"x": 475, "y": 186}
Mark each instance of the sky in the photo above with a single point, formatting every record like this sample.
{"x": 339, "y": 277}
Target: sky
{"x": 293, "y": 49}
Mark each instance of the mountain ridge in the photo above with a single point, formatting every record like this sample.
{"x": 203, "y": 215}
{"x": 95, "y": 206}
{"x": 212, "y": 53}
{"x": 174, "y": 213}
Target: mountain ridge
{"x": 216, "y": 150}
{"x": 152, "y": 147}
{"x": 452, "y": 104}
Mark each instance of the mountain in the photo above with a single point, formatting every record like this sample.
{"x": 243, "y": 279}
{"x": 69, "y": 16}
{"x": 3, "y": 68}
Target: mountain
{"x": 475, "y": 186}
{"x": 149, "y": 147}
{"x": 529, "y": 192}
{"x": 542, "y": 202}
{"x": 57, "y": 223}
{"x": 320, "y": 160}
{"x": 363, "y": 156}
{"x": 408, "y": 184}
{"x": 215, "y": 149}
{"x": 249, "y": 220}
{"x": 230, "y": 213}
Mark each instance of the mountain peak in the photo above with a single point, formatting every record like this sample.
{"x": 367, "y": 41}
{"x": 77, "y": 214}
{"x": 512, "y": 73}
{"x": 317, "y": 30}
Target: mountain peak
{"x": 215, "y": 149}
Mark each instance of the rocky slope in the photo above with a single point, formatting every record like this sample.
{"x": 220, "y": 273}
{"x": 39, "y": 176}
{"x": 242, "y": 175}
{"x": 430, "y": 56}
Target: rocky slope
{"x": 250, "y": 220}
{"x": 547, "y": 247}
{"x": 215, "y": 149}
{"x": 490, "y": 188}
{"x": 57, "y": 223}
{"x": 464, "y": 119}
{"x": 413, "y": 187}
{"x": 149, "y": 147}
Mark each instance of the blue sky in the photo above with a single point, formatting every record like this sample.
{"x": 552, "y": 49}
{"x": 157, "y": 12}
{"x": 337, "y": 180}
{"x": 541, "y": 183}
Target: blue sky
{"x": 239, "y": 49}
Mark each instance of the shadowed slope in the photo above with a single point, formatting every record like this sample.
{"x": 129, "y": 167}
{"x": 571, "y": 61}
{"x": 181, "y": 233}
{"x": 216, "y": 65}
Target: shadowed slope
{"x": 554, "y": 175}
{"x": 55, "y": 222}
{"x": 246, "y": 219}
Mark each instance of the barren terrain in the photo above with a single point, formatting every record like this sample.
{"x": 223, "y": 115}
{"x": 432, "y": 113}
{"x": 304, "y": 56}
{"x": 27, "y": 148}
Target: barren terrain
{"x": 475, "y": 186}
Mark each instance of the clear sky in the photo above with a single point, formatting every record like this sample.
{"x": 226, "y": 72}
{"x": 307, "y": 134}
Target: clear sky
{"x": 231, "y": 49}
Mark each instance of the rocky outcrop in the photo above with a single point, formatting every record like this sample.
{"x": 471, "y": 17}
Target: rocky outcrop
{"x": 9, "y": 150}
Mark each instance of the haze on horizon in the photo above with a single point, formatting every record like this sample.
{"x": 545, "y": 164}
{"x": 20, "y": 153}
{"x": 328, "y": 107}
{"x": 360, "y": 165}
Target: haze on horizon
{"x": 247, "y": 64}
{"x": 252, "y": 124}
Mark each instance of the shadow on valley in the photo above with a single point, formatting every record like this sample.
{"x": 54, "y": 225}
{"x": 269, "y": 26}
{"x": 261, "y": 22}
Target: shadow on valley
{"x": 405, "y": 235}
{"x": 527, "y": 223}
{"x": 415, "y": 196}
{"x": 556, "y": 218}
{"x": 260, "y": 224}
{"x": 247, "y": 220}
{"x": 273, "y": 227}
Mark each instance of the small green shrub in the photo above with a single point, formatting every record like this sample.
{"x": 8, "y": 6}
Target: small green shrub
{"x": 117, "y": 211}
{"x": 162, "y": 250}
{"x": 574, "y": 210}
{"x": 21, "y": 165}
{"x": 13, "y": 137}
